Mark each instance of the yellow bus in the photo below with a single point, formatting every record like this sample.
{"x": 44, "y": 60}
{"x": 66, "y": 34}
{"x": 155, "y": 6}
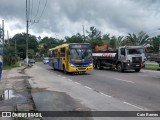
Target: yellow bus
{"x": 71, "y": 58}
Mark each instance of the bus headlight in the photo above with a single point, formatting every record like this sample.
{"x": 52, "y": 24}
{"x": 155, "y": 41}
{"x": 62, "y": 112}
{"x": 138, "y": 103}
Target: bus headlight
{"x": 72, "y": 65}
{"x": 90, "y": 64}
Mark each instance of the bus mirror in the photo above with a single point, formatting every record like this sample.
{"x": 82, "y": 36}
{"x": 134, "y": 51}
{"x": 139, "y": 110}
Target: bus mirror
{"x": 68, "y": 52}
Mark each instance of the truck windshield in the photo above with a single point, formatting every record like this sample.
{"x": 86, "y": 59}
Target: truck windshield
{"x": 84, "y": 55}
{"x": 135, "y": 51}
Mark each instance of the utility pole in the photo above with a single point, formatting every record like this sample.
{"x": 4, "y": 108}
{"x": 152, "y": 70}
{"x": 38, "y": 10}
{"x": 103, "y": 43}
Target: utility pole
{"x": 26, "y": 33}
{"x": 83, "y": 33}
{"x": 3, "y": 35}
{"x": 8, "y": 38}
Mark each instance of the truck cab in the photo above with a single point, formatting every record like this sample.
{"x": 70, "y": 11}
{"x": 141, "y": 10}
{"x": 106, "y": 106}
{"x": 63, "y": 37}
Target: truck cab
{"x": 130, "y": 57}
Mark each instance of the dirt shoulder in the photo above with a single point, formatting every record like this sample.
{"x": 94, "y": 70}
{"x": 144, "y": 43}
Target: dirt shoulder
{"x": 15, "y": 91}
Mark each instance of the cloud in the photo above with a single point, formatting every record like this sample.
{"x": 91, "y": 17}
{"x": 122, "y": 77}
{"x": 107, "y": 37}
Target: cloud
{"x": 66, "y": 17}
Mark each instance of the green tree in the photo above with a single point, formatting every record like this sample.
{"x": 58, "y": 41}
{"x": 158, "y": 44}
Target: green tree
{"x": 9, "y": 56}
{"x": 156, "y": 43}
{"x": 106, "y": 37}
{"x": 78, "y": 38}
{"x": 46, "y": 43}
{"x": 31, "y": 53}
{"x": 94, "y": 34}
{"x": 94, "y": 37}
{"x": 113, "y": 42}
{"x": 20, "y": 41}
{"x": 140, "y": 39}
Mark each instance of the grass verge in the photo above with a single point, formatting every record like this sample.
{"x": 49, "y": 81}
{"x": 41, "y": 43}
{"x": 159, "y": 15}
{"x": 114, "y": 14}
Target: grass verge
{"x": 38, "y": 59}
{"x": 6, "y": 67}
{"x": 152, "y": 67}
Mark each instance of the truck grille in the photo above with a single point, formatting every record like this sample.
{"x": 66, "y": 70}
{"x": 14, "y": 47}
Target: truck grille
{"x": 136, "y": 59}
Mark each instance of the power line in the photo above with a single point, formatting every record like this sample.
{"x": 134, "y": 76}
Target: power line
{"x": 28, "y": 9}
{"x": 29, "y": 13}
{"x": 37, "y": 9}
{"x": 43, "y": 10}
{"x": 31, "y": 9}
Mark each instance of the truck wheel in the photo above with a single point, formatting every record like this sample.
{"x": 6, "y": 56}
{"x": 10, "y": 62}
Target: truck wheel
{"x": 137, "y": 70}
{"x": 119, "y": 67}
{"x": 95, "y": 66}
{"x": 99, "y": 65}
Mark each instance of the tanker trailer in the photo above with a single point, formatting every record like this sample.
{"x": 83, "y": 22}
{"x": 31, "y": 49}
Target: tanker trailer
{"x": 124, "y": 58}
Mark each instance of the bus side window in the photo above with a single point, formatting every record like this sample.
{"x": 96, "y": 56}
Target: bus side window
{"x": 62, "y": 52}
{"x": 55, "y": 53}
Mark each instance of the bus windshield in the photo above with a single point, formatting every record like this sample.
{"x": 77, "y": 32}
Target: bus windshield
{"x": 84, "y": 55}
{"x": 135, "y": 51}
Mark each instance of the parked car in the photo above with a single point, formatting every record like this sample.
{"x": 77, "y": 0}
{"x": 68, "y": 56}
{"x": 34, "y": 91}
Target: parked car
{"x": 46, "y": 60}
{"x": 31, "y": 60}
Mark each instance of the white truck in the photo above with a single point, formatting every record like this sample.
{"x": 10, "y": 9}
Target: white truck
{"x": 124, "y": 58}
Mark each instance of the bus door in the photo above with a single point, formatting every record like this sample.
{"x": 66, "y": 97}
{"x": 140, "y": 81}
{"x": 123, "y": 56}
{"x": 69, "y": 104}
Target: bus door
{"x": 62, "y": 58}
{"x": 67, "y": 58}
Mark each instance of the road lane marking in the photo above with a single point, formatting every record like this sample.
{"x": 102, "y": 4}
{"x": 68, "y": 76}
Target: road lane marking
{"x": 64, "y": 77}
{"x": 88, "y": 87}
{"x": 133, "y": 105}
{"x": 105, "y": 95}
{"x": 70, "y": 80}
{"x": 123, "y": 80}
{"x": 77, "y": 83}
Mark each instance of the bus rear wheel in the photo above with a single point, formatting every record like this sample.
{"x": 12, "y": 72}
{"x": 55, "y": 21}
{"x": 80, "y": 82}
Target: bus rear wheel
{"x": 53, "y": 67}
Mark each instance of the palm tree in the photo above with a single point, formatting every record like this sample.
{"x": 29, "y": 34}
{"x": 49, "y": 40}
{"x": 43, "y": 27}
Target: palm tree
{"x": 119, "y": 41}
{"x": 156, "y": 43}
{"x": 140, "y": 39}
{"x": 116, "y": 42}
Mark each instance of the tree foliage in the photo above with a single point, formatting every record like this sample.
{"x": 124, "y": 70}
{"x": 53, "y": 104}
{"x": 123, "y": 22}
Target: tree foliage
{"x": 20, "y": 41}
{"x": 140, "y": 39}
{"x": 156, "y": 43}
{"x": 46, "y": 43}
{"x": 9, "y": 56}
{"x": 94, "y": 33}
{"x": 78, "y": 38}
{"x": 94, "y": 37}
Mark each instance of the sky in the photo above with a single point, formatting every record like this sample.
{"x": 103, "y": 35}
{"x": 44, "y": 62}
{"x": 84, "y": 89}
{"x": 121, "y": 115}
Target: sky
{"x": 60, "y": 18}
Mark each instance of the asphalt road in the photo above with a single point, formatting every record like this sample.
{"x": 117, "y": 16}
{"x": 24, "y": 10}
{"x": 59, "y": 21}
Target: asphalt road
{"x": 138, "y": 89}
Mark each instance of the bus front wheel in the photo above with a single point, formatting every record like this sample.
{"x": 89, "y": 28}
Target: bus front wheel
{"x": 64, "y": 69}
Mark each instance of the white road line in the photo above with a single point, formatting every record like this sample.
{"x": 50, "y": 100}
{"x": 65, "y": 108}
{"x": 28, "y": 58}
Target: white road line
{"x": 88, "y": 87}
{"x": 133, "y": 105}
{"x": 64, "y": 77}
{"x": 69, "y": 79}
{"x": 77, "y": 83}
{"x": 123, "y": 80}
{"x": 105, "y": 95}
